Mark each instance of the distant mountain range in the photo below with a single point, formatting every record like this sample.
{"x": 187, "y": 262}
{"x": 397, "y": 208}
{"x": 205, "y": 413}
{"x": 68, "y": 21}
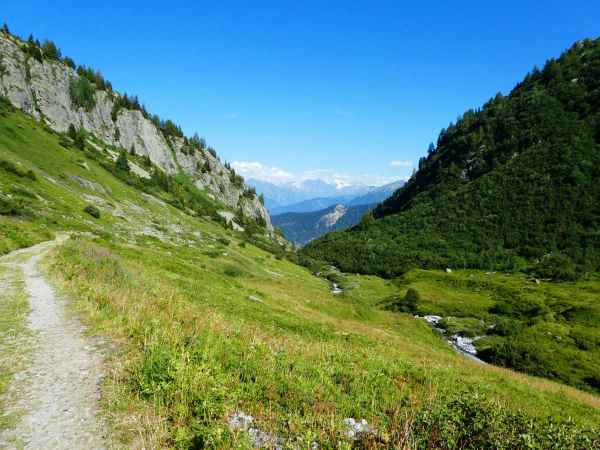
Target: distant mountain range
{"x": 378, "y": 194}
{"x": 301, "y": 228}
{"x": 301, "y": 223}
{"x": 316, "y": 195}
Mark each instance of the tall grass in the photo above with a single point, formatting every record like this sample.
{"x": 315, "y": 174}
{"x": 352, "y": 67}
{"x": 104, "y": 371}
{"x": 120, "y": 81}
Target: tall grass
{"x": 189, "y": 366}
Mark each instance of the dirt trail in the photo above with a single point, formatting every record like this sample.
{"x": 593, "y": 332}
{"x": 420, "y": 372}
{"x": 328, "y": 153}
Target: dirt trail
{"x": 57, "y": 394}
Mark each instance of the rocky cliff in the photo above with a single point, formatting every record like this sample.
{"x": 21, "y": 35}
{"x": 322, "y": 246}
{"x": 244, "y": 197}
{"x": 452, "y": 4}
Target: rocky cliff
{"x": 41, "y": 87}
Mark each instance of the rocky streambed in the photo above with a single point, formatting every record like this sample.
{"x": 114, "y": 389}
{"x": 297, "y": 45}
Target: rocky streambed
{"x": 464, "y": 345}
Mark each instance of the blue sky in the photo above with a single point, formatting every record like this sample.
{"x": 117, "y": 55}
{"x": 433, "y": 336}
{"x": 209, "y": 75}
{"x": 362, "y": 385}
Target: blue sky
{"x": 291, "y": 90}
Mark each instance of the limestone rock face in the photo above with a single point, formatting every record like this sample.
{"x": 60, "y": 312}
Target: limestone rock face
{"x": 211, "y": 175}
{"x": 41, "y": 89}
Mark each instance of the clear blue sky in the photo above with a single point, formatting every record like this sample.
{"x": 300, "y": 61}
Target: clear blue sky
{"x": 303, "y": 86}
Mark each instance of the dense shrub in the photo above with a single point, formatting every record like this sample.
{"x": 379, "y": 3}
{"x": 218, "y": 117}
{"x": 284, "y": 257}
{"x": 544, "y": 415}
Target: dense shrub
{"x": 155, "y": 375}
{"x": 233, "y": 271}
{"x": 92, "y": 211}
{"x": 556, "y": 266}
{"x": 471, "y": 422}
{"x": 122, "y": 163}
{"x": 407, "y": 304}
{"x": 11, "y": 206}
{"x": 50, "y": 50}
{"x": 10, "y": 167}
{"x": 224, "y": 241}
{"x": 6, "y": 106}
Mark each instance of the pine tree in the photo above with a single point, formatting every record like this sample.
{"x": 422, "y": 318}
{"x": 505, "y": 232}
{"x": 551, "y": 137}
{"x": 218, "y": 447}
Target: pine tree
{"x": 50, "y": 50}
{"x": 72, "y": 132}
{"x": 122, "y": 163}
{"x": 77, "y": 136}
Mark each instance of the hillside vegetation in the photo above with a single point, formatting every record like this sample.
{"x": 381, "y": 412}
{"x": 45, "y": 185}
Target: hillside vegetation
{"x": 511, "y": 186}
{"x": 206, "y": 323}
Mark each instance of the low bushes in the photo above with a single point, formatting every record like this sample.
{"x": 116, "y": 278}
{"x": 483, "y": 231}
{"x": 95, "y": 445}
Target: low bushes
{"x": 10, "y": 167}
{"x": 92, "y": 211}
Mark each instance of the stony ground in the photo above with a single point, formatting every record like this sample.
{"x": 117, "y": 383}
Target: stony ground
{"x": 55, "y": 398}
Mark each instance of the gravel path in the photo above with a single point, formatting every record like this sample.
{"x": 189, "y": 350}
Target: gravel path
{"x": 57, "y": 394}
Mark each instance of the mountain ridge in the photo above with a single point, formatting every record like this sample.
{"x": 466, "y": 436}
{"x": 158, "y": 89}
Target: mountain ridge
{"x": 511, "y": 186}
{"x": 42, "y": 83}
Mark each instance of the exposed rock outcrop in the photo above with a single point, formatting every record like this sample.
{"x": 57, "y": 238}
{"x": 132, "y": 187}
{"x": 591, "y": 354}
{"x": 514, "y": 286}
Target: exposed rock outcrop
{"x": 330, "y": 219}
{"x": 42, "y": 89}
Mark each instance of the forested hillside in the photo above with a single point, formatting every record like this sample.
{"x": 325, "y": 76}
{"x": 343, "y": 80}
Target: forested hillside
{"x": 510, "y": 186}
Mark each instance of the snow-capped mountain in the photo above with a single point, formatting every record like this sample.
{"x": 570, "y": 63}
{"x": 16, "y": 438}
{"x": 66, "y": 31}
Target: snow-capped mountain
{"x": 315, "y": 194}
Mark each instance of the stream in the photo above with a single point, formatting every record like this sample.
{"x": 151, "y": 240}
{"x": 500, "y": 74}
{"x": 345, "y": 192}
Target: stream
{"x": 335, "y": 289}
{"x": 464, "y": 345}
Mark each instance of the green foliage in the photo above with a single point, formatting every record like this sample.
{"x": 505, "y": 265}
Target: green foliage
{"x": 223, "y": 241}
{"x": 233, "y": 271}
{"x": 78, "y": 136}
{"x": 50, "y": 50}
{"x": 6, "y": 106}
{"x": 127, "y": 102}
{"x": 197, "y": 349}
{"x": 94, "y": 77}
{"x": 234, "y": 178}
{"x": 250, "y": 192}
{"x": 92, "y": 211}
{"x": 546, "y": 329}
{"x": 12, "y": 168}
{"x": 169, "y": 128}
{"x": 69, "y": 62}
{"x": 33, "y": 50}
{"x": 505, "y": 185}
{"x": 407, "y": 304}
{"x": 12, "y": 206}
{"x": 155, "y": 375}
{"x": 556, "y": 266}
{"x": 121, "y": 163}
{"x": 197, "y": 142}
{"x": 83, "y": 93}
{"x": 463, "y": 326}
{"x": 472, "y": 422}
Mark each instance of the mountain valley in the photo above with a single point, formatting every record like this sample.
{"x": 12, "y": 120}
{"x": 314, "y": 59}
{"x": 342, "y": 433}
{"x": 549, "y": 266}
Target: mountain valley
{"x": 210, "y": 330}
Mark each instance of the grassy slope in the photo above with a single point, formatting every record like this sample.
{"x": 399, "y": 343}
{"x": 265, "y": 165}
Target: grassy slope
{"x": 13, "y": 337}
{"x": 193, "y": 347}
{"x": 550, "y": 328}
